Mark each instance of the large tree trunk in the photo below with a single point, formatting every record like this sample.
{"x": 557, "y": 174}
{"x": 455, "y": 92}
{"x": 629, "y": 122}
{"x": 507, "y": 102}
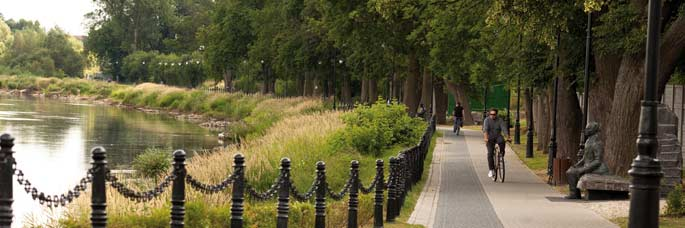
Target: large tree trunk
{"x": 309, "y": 84}
{"x": 365, "y": 91}
{"x": 441, "y": 101}
{"x": 459, "y": 92}
{"x": 300, "y": 85}
{"x": 373, "y": 90}
{"x": 602, "y": 91}
{"x": 622, "y": 129}
{"x": 544, "y": 120}
{"x": 396, "y": 87}
{"x": 411, "y": 85}
{"x": 346, "y": 93}
{"x": 530, "y": 119}
{"x": 568, "y": 116}
{"x": 228, "y": 80}
{"x": 426, "y": 84}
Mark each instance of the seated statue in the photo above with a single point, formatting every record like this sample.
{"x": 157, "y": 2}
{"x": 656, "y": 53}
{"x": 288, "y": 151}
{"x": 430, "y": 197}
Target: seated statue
{"x": 591, "y": 162}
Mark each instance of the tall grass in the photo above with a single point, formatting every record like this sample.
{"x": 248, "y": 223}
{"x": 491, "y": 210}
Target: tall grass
{"x": 302, "y": 138}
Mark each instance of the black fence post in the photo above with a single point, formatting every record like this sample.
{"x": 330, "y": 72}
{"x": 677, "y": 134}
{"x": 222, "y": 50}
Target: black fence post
{"x": 178, "y": 191}
{"x": 392, "y": 186}
{"x": 98, "y": 200}
{"x": 401, "y": 182}
{"x": 353, "y": 205}
{"x": 284, "y": 194}
{"x": 237, "y": 198}
{"x": 6, "y": 180}
{"x": 321, "y": 188}
{"x": 378, "y": 201}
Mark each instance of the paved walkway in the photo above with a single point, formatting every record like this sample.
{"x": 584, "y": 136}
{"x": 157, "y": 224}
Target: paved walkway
{"x": 460, "y": 194}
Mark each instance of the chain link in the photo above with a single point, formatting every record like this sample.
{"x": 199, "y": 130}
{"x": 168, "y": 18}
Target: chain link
{"x": 307, "y": 195}
{"x": 373, "y": 185}
{"x": 268, "y": 194}
{"x": 52, "y": 201}
{"x": 343, "y": 192}
{"x": 139, "y": 196}
{"x": 209, "y": 189}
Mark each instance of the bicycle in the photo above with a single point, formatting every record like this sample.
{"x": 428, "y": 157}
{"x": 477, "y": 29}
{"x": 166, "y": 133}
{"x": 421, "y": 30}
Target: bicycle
{"x": 500, "y": 169}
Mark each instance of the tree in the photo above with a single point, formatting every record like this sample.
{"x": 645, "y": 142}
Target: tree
{"x": 228, "y": 38}
{"x": 63, "y": 53}
{"x": 5, "y": 37}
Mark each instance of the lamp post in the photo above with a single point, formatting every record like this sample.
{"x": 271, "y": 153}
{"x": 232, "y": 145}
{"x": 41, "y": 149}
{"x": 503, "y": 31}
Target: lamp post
{"x": 266, "y": 81}
{"x": 517, "y": 125}
{"x": 553, "y": 138}
{"x": 646, "y": 169}
{"x": 335, "y": 97}
{"x": 529, "y": 134}
{"x": 485, "y": 103}
{"x": 586, "y": 87}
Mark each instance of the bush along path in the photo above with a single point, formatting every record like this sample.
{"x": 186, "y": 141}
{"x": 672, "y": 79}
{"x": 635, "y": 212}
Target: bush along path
{"x": 242, "y": 114}
{"x": 405, "y": 170}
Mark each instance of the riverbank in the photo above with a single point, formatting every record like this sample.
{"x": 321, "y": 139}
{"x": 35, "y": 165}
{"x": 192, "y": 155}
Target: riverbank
{"x": 238, "y": 115}
{"x": 305, "y": 139}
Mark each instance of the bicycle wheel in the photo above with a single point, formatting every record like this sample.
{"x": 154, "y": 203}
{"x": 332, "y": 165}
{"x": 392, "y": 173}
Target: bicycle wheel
{"x": 501, "y": 170}
{"x": 495, "y": 156}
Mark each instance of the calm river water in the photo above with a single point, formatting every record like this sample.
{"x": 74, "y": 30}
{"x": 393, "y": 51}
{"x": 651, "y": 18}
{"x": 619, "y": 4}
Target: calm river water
{"x": 53, "y": 140}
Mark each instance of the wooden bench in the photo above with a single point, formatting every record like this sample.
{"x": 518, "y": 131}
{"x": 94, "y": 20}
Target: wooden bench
{"x": 604, "y": 187}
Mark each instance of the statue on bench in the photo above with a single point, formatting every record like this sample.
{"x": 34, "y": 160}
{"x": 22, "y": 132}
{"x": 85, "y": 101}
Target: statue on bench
{"x": 591, "y": 162}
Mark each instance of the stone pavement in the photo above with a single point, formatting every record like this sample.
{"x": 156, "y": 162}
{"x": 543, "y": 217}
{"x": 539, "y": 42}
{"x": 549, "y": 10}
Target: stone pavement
{"x": 460, "y": 194}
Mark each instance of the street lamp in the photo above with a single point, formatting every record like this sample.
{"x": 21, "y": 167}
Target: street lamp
{"x": 335, "y": 97}
{"x": 517, "y": 125}
{"x": 266, "y": 81}
{"x": 531, "y": 123}
{"x": 553, "y": 139}
{"x": 586, "y": 87}
{"x": 646, "y": 169}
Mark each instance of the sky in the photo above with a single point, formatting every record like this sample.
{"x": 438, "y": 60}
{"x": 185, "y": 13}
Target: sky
{"x": 67, "y": 14}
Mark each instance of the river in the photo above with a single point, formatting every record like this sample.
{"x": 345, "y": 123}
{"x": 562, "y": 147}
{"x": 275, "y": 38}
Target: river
{"x": 53, "y": 139}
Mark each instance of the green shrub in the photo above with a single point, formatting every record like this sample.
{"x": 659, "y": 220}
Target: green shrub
{"x": 153, "y": 162}
{"x": 675, "y": 204}
{"x": 370, "y": 129}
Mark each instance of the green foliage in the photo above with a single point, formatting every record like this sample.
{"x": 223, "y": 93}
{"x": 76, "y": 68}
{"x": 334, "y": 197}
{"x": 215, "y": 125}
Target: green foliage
{"x": 370, "y": 129}
{"x": 152, "y": 163}
{"x": 675, "y": 202}
{"x": 27, "y": 49}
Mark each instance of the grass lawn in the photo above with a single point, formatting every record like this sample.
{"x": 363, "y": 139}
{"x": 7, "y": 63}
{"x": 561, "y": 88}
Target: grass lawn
{"x": 664, "y": 222}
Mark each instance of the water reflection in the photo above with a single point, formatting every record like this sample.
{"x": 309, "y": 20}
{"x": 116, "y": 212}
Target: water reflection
{"x": 53, "y": 141}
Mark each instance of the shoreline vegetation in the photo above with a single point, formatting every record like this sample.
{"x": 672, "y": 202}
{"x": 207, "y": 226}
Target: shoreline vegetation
{"x": 270, "y": 128}
{"x": 242, "y": 115}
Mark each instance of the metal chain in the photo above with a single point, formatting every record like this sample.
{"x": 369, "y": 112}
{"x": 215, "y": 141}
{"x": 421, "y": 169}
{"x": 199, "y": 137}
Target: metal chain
{"x": 307, "y": 195}
{"x": 268, "y": 194}
{"x": 343, "y": 192}
{"x": 140, "y": 196}
{"x": 209, "y": 189}
{"x": 373, "y": 185}
{"x": 52, "y": 200}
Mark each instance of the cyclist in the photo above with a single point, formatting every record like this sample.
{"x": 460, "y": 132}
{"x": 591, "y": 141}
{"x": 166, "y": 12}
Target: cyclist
{"x": 493, "y": 127}
{"x": 458, "y": 117}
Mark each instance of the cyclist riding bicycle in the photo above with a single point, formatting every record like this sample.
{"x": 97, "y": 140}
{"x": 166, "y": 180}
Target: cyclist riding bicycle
{"x": 458, "y": 118}
{"x": 493, "y": 127}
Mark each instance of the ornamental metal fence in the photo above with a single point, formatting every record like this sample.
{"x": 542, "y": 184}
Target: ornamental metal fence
{"x": 406, "y": 169}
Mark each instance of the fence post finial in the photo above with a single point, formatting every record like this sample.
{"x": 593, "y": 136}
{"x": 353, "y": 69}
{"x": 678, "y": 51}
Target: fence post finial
{"x": 237, "y": 198}
{"x": 98, "y": 201}
{"x": 321, "y": 188}
{"x": 354, "y": 195}
{"x": 378, "y": 199}
{"x": 284, "y": 194}
{"x": 6, "y": 179}
{"x": 178, "y": 192}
